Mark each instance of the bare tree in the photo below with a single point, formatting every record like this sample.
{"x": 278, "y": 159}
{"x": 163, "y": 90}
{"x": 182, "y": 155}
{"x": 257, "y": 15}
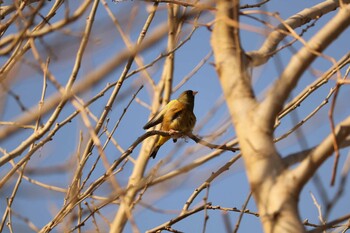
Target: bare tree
{"x": 275, "y": 187}
{"x": 80, "y": 79}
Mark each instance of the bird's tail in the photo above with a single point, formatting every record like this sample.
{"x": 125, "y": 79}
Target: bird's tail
{"x": 159, "y": 143}
{"x": 154, "y": 152}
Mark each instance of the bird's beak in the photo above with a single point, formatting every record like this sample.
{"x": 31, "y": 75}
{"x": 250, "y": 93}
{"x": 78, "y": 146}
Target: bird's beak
{"x": 195, "y": 93}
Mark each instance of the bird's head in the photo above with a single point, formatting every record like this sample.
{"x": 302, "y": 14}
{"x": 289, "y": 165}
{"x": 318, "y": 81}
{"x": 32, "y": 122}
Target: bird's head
{"x": 187, "y": 97}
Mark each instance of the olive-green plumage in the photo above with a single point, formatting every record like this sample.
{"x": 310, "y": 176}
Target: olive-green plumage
{"x": 177, "y": 115}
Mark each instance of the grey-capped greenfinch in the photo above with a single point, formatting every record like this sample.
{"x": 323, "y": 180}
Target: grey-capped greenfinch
{"x": 176, "y": 116}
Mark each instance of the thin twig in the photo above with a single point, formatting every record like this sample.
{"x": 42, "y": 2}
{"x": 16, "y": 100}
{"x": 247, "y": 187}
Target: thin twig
{"x": 330, "y": 224}
{"x": 238, "y": 223}
{"x": 206, "y": 216}
{"x": 259, "y": 4}
{"x": 318, "y": 206}
{"x": 210, "y": 145}
{"x": 179, "y": 218}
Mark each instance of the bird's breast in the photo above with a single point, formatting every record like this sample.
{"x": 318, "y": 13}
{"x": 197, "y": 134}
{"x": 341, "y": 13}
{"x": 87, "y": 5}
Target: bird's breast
{"x": 184, "y": 122}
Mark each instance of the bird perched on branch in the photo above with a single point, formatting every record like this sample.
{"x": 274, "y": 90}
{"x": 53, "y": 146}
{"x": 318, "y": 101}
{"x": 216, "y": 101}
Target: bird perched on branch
{"x": 176, "y": 116}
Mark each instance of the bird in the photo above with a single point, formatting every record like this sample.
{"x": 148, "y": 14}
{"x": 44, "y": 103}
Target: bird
{"x": 176, "y": 116}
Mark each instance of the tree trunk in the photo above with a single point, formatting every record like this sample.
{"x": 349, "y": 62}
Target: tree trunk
{"x": 275, "y": 195}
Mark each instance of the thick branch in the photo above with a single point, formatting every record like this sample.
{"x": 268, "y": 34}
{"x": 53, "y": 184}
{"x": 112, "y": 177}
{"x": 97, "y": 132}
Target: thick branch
{"x": 281, "y": 89}
{"x": 297, "y": 100}
{"x": 262, "y": 55}
{"x": 230, "y": 60}
{"x": 301, "y": 155}
{"x": 270, "y": 183}
{"x": 316, "y": 157}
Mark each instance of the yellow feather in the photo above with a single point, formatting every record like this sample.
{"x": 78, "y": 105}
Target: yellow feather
{"x": 177, "y": 115}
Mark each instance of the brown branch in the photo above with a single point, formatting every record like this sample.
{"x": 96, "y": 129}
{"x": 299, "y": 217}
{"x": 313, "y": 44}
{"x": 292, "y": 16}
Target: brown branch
{"x": 6, "y": 10}
{"x": 299, "y": 156}
{"x": 91, "y": 79}
{"x": 14, "y": 39}
{"x": 242, "y": 212}
{"x": 165, "y": 226}
{"x": 280, "y": 90}
{"x": 60, "y": 102}
{"x": 293, "y": 104}
{"x": 208, "y": 206}
{"x": 259, "y": 4}
{"x": 109, "y": 138}
{"x": 210, "y": 145}
{"x": 335, "y": 143}
{"x": 66, "y": 209}
{"x": 198, "y": 6}
{"x": 99, "y": 181}
{"x": 330, "y": 224}
{"x": 193, "y": 165}
{"x": 90, "y": 144}
{"x": 319, "y": 154}
{"x": 261, "y": 56}
{"x": 213, "y": 176}
{"x": 48, "y": 138}
{"x": 307, "y": 118}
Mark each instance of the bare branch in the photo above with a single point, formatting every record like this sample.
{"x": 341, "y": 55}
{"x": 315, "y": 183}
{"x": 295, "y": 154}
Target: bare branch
{"x": 91, "y": 79}
{"x": 213, "y": 176}
{"x": 168, "y": 224}
{"x": 330, "y": 224}
{"x": 60, "y": 100}
{"x": 299, "y": 62}
{"x": 314, "y": 86}
{"x": 254, "y": 5}
{"x": 317, "y": 156}
{"x": 210, "y": 145}
{"x": 262, "y": 55}
{"x": 238, "y": 223}
{"x": 65, "y": 71}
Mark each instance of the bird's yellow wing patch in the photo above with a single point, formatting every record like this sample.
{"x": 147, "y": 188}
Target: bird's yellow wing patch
{"x": 158, "y": 118}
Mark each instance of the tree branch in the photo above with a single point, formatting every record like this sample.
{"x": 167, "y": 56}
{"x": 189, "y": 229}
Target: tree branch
{"x": 317, "y": 156}
{"x": 168, "y": 224}
{"x": 297, "y": 100}
{"x": 261, "y": 56}
{"x": 91, "y": 79}
{"x": 281, "y": 89}
{"x": 330, "y": 224}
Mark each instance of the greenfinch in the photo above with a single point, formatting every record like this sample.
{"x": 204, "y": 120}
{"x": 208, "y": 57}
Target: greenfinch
{"x": 176, "y": 116}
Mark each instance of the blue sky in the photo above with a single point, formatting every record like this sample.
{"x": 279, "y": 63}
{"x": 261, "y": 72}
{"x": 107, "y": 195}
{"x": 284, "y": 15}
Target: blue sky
{"x": 231, "y": 188}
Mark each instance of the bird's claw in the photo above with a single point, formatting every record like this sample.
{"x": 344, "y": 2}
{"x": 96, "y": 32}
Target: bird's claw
{"x": 175, "y": 134}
